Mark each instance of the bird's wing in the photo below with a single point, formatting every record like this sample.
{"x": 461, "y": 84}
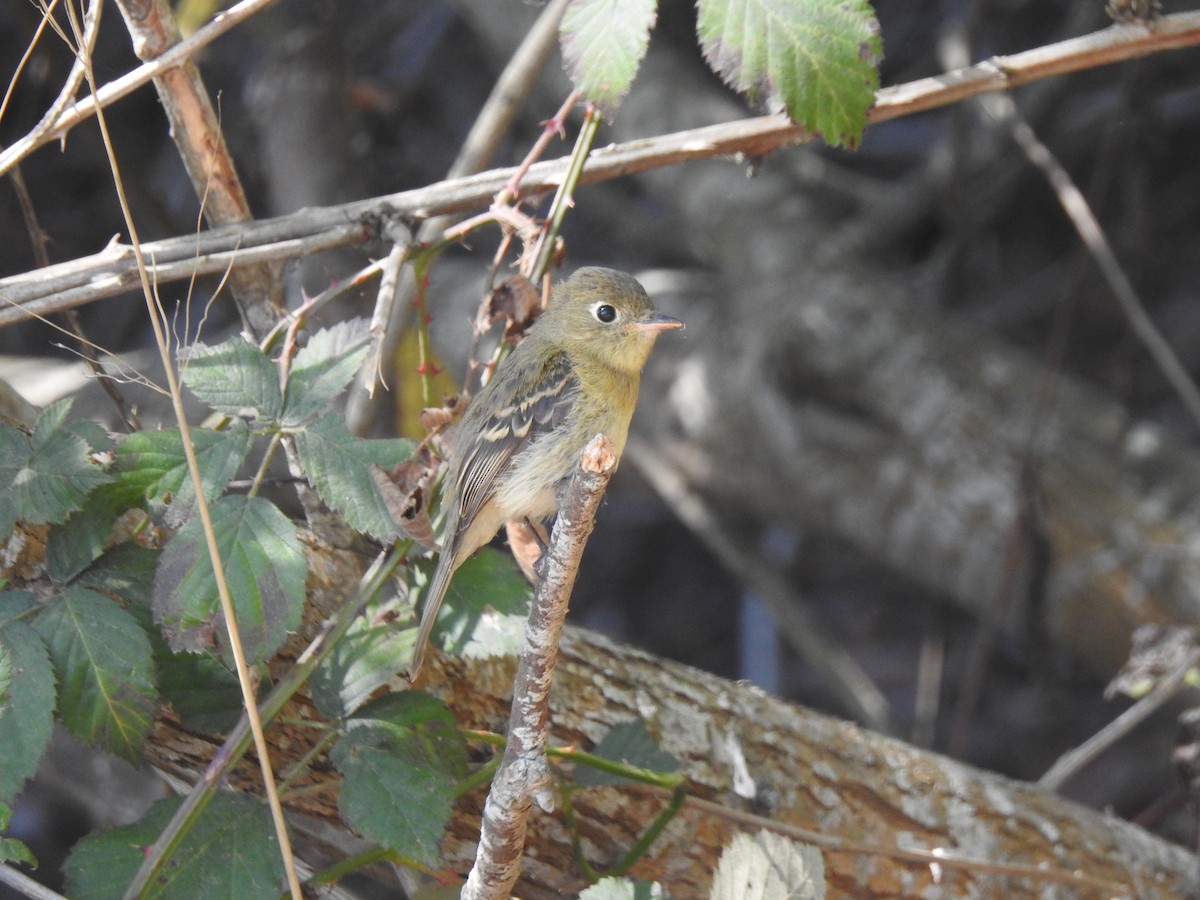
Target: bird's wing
{"x": 543, "y": 404}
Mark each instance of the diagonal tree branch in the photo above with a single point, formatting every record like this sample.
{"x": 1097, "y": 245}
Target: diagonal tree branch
{"x": 110, "y": 272}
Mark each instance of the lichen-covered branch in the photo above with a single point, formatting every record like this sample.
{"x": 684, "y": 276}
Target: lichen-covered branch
{"x": 524, "y": 774}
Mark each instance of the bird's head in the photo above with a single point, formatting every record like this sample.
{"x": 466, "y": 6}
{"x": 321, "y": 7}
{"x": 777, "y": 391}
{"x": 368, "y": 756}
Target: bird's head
{"x": 607, "y": 315}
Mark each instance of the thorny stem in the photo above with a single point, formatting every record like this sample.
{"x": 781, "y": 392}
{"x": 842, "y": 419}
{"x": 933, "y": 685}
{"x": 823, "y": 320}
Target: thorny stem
{"x": 554, "y": 127}
{"x": 64, "y": 116}
{"x": 300, "y": 317}
{"x": 425, "y": 367}
{"x": 509, "y": 218}
{"x": 514, "y": 222}
{"x": 106, "y": 273}
{"x": 495, "y": 119}
{"x": 564, "y": 199}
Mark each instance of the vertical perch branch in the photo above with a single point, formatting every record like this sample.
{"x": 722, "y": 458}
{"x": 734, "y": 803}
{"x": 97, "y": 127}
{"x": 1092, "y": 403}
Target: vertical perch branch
{"x": 524, "y": 774}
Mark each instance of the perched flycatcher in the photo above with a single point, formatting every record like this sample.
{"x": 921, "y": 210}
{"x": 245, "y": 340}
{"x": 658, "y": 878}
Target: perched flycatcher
{"x": 574, "y": 375}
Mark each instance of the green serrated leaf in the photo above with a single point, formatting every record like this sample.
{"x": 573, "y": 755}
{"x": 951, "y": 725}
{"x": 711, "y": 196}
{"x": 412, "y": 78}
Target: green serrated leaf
{"x": 102, "y": 660}
{"x": 153, "y": 462}
{"x": 338, "y": 465}
{"x": 323, "y": 368}
{"x": 623, "y": 889}
{"x": 92, "y": 433}
{"x": 486, "y": 607}
{"x": 27, "y": 710}
{"x": 818, "y": 58}
{"x": 391, "y": 798}
{"x": 231, "y": 851}
{"x": 372, "y": 651}
{"x": 603, "y": 43}
{"x": 127, "y": 570}
{"x": 201, "y": 690}
{"x": 78, "y": 542}
{"x": 233, "y": 377}
{"x": 767, "y": 866}
{"x": 50, "y": 420}
{"x": 405, "y": 711}
{"x": 12, "y": 850}
{"x": 47, "y": 475}
{"x": 265, "y": 567}
{"x": 631, "y": 744}
{"x": 400, "y": 759}
{"x": 14, "y": 453}
{"x": 16, "y": 605}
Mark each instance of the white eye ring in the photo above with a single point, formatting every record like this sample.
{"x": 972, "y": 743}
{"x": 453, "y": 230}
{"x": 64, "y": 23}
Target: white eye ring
{"x": 605, "y": 312}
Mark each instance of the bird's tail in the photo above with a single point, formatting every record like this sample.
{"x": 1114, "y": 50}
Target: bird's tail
{"x": 434, "y": 596}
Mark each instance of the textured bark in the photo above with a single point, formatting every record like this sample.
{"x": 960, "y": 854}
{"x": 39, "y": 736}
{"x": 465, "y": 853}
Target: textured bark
{"x": 748, "y": 752}
{"x": 873, "y": 802}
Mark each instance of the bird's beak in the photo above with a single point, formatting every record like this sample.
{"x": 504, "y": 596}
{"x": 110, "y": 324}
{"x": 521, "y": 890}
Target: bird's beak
{"x": 656, "y": 322}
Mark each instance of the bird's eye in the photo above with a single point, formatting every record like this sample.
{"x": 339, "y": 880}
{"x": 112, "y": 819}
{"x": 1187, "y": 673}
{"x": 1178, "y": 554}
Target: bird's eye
{"x": 606, "y": 313}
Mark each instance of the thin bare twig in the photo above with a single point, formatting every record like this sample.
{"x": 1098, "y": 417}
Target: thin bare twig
{"x": 19, "y": 881}
{"x": 66, "y": 119}
{"x": 490, "y": 126}
{"x": 91, "y": 30}
{"x": 1075, "y": 205}
{"x": 1069, "y": 764}
{"x": 87, "y": 350}
{"x": 39, "y": 238}
{"x": 178, "y": 263}
{"x": 391, "y": 288}
{"x": 541, "y": 255}
{"x": 524, "y": 774}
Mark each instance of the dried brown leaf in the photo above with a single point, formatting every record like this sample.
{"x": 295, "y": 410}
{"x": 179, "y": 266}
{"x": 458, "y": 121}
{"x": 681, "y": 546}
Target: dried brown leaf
{"x": 436, "y": 418}
{"x": 516, "y": 302}
{"x": 405, "y": 492}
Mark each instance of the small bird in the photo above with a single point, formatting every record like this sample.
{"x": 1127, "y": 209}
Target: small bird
{"x": 574, "y": 375}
